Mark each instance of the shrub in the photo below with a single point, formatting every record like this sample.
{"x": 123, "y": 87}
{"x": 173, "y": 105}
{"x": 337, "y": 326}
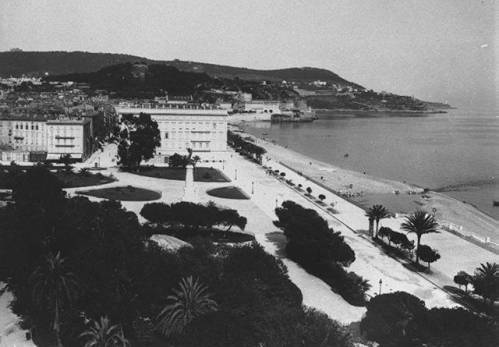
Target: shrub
{"x": 320, "y": 250}
{"x": 427, "y": 254}
{"x": 462, "y": 278}
{"x": 391, "y": 318}
{"x": 385, "y": 232}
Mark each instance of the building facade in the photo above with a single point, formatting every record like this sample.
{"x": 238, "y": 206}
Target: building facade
{"x": 183, "y": 127}
{"x": 39, "y": 139}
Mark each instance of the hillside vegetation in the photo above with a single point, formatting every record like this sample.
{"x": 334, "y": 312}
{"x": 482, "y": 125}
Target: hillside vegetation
{"x": 55, "y": 63}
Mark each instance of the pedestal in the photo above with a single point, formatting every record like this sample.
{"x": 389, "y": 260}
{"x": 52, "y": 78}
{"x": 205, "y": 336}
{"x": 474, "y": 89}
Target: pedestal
{"x": 189, "y": 190}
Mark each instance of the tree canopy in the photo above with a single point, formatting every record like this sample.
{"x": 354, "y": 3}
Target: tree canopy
{"x": 138, "y": 141}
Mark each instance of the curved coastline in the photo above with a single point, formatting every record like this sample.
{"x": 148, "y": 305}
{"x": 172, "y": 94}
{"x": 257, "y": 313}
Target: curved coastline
{"x": 450, "y": 211}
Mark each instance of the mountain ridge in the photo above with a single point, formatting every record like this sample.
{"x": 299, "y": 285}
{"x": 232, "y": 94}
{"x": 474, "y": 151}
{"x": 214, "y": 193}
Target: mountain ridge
{"x": 37, "y": 63}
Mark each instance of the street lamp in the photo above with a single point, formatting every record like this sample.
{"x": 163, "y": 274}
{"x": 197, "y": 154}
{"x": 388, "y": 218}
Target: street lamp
{"x": 253, "y": 187}
{"x": 380, "y": 283}
{"x": 235, "y": 175}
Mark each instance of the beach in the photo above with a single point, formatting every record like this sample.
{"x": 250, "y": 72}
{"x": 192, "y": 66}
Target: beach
{"x": 366, "y": 190}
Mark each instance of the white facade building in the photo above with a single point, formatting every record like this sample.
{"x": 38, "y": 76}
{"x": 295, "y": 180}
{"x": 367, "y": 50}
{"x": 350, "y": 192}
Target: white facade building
{"x": 183, "y": 127}
{"x": 262, "y": 106}
{"x": 68, "y": 136}
{"x": 51, "y": 137}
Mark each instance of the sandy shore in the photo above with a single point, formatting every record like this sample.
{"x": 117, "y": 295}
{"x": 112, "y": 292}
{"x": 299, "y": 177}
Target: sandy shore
{"x": 366, "y": 190}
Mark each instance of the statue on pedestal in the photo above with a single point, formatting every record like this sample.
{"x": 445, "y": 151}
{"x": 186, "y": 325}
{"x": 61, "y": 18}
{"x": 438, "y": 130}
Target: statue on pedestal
{"x": 189, "y": 190}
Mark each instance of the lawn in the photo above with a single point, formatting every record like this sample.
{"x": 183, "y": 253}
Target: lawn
{"x": 229, "y": 192}
{"x": 201, "y": 174}
{"x": 69, "y": 179}
{"x": 74, "y": 180}
{"x": 126, "y": 193}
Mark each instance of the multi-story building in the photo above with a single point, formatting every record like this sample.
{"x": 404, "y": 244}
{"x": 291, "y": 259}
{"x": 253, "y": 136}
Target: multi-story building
{"x": 262, "y": 106}
{"x": 69, "y": 136}
{"x": 35, "y": 139}
{"x": 183, "y": 127}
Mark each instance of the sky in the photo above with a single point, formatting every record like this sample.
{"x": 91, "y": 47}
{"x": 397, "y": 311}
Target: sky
{"x": 438, "y": 50}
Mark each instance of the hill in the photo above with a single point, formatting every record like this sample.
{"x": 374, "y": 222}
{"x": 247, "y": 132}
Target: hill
{"x": 142, "y": 80}
{"x": 55, "y": 63}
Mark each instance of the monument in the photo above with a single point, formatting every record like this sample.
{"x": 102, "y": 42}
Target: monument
{"x": 189, "y": 190}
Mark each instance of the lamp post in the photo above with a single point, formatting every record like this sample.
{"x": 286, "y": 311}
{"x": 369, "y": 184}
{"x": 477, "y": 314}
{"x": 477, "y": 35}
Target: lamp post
{"x": 253, "y": 187}
{"x": 235, "y": 175}
{"x": 380, "y": 283}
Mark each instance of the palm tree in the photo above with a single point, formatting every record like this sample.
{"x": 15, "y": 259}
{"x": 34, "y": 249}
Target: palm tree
{"x": 376, "y": 213}
{"x": 187, "y": 303}
{"x": 486, "y": 281}
{"x": 53, "y": 286}
{"x": 420, "y": 223}
{"x": 102, "y": 334}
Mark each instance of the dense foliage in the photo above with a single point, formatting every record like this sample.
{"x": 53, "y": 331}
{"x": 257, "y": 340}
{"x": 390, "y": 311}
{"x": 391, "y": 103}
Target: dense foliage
{"x": 400, "y": 319}
{"x": 192, "y": 216}
{"x": 138, "y": 141}
{"x": 320, "y": 250}
{"x": 486, "y": 281}
{"x": 245, "y": 147}
{"x": 85, "y": 272}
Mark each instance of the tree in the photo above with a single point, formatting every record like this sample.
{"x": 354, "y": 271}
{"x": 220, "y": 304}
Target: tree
{"x": 322, "y": 197}
{"x": 54, "y": 286}
{"x": 156, "y": 212}
{"x": 309, "y": 190}
{"x": 138, "y": 141}
{"x": 392, "y": 318}
{"x": 462, "y": 278}
{"x": 102, "y": 334}
{"x": 385, "y": 232}
{"x": 427, "y": 254}
{"x": 420, "y": 223}
{"x": 178, "y": 161}
{"x": 38, "y": 186}
{"x": 486, "y": 281}
{"x": 319, "y": 330}
{"x": 189, "y": 302}
{"x": 377, "y": 213}
{"x": 230, "y": 217}
{"x": 66, "y": 160}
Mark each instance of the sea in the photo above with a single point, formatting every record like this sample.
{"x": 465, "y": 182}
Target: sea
{"x": 456, "y": 153}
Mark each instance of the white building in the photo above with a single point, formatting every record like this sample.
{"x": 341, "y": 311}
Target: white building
{"x": 69, "y": 136}
{"x": 262, "y": 106}
{"x": 48, "y": 139}
{"x": 202, "y": 129}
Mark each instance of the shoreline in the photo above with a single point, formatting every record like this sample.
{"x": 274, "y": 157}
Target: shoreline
{"x": 412, "y": 112}
{"x": 364, "y": 190}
